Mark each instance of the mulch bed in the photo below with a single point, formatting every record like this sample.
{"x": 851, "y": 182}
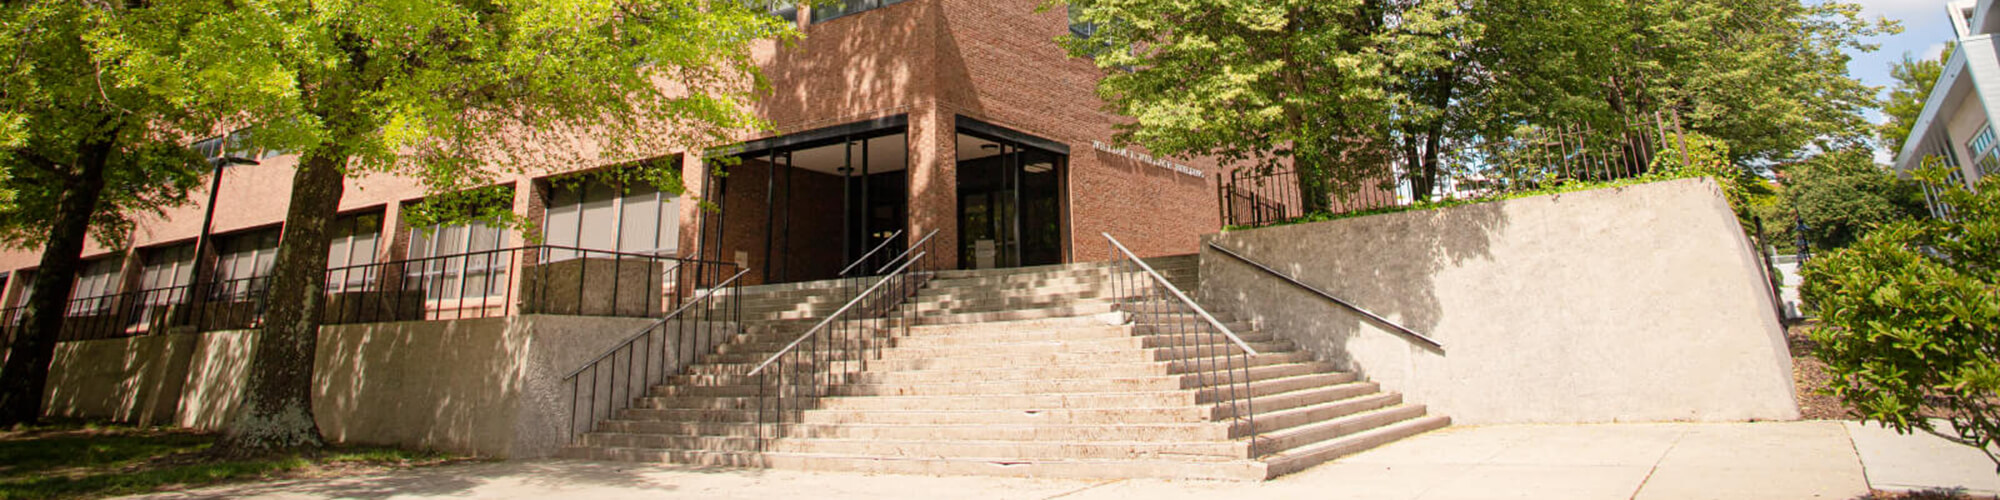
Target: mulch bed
{"x": 1810, "y": 379}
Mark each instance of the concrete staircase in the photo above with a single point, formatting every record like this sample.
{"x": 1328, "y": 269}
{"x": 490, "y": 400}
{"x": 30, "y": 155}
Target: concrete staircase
{"x": 1022, "y": 372}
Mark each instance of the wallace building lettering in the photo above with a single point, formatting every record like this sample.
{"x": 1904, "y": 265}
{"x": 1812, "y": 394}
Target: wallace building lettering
{"x": 1150, "y": 160}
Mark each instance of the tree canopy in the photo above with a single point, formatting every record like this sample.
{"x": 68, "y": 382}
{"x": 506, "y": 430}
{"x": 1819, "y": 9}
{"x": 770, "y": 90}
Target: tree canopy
{"x": 1339, "y": 86}
{"x": 453, "y": 93}
{"x": 1905, "y": 102}
{"x": 79, "y": 155}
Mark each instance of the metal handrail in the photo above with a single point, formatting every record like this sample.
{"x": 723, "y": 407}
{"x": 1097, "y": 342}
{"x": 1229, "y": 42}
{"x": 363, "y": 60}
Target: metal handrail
{"x": 864, "y": 257}
{"x": 648, "y": 330}
{"x": 836, "y": 315}
{"x": 1226, "y": 332}
{"x": 1328, "y": 296}
{"x": 906, "y": 253}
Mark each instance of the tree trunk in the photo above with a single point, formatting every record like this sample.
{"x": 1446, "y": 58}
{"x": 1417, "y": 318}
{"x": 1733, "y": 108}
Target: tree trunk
{"x": 26, "y": 373}
{"x": 275, "y": 414}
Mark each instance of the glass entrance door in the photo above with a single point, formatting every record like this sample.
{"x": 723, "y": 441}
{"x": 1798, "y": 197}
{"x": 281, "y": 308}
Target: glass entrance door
{"x": 1009, "y": 204}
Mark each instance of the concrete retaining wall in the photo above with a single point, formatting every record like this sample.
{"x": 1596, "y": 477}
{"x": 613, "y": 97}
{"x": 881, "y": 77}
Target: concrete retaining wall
{"x": 1641, "y": 303}
{"x": 488, "y": 387}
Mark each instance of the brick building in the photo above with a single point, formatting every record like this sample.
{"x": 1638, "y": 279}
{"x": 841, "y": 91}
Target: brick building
{"x": 894, "y": 119}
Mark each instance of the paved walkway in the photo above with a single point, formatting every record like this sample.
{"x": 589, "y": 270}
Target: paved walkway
{"x": 1790, "y": 460}
{"x": 1922, "y": 461}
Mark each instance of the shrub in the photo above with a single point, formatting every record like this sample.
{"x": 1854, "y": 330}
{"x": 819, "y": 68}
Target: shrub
{"x": 1911, "y": 317}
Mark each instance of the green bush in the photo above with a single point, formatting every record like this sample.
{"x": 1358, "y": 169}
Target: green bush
{"x": 1911, "y": 317}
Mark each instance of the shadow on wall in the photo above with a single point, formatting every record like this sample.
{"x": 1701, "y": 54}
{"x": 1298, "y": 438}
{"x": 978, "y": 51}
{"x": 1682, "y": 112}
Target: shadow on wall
{"x": 862, "y": 65}
{"x": 1640, "y": 303}
{"x": 135, "y": 379}
{"x": 1402, "y": 289}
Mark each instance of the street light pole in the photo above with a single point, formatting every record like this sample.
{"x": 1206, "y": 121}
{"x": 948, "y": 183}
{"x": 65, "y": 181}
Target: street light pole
{"x": 207, "y": 221}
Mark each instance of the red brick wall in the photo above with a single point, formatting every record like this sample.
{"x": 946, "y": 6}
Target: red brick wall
{"x": 933, "y": 60}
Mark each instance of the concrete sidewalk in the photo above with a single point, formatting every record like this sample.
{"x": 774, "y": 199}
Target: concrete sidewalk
{"x": 1922, "y": 461}
{"x": 1789, "y": 460}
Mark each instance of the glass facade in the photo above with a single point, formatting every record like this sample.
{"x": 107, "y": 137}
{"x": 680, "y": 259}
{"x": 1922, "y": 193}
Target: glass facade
{"x": 833, "y": 10}
{"x": 243, "y": 264}
{"x": 98, "y": 279}
{"x": 456, "y": 260}
{"x": 597, "y": 216}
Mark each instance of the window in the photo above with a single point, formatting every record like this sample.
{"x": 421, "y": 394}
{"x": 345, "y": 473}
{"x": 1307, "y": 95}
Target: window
{"x": 94, "y": 284}
{"x": 1986, "y": 157}
{"x": 236, "y": 144}
{"x": 788, "y": 11}
{"x": 351, "y": 253}
{"x": 1080, "y": 28}
{"x": 597, "y": 216}
{"x": 243, "y": 264}
{"x": 837, "y": 9}
{"x": 454, "y": 261}
{"x": 165, "y": 274}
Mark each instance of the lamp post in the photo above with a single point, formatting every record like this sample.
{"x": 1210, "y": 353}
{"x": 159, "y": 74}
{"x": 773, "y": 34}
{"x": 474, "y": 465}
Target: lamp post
{"x": 208, "y": 220}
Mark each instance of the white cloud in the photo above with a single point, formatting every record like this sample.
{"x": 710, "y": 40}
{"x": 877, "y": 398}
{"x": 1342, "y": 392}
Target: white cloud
{"x": 1902, "y": 9}
{"x": 1932, "y": 52}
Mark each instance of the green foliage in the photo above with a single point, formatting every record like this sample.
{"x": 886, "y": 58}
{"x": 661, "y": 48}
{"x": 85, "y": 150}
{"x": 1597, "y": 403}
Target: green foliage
{"x": 458, "y": 94}
{"x": 1905, "y": 102}
{"x": 56, "y": 106}
{"x": 1909, "y": 314}
{"x": 492, "y": 205}
{"x": 89, "y": 461}
{"x": 1340, "y": 89}
{"x": 1842, "y": 195}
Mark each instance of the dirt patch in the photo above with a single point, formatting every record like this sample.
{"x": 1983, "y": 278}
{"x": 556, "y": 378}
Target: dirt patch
{"x": 1810, "y": 379}
{"x": 89, "y": 460}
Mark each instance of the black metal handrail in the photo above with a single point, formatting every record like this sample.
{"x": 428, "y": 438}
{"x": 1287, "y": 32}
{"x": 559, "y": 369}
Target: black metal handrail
{"x": 871, "y": 253}
{"x": 1377, "y": 318}
{"x": 1152, "y": 302}
{"x": 790, "y": 380}
{"x": 692, "y": 330}
{"x": 922, "y": 243}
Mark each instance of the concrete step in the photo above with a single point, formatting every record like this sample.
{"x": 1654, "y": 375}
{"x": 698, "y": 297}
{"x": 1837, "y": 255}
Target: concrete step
{"x": 1324, "y": 430}
{"x": 1241, "y": 470}
{"x": 1230, "y": 408}
{"x": 1157, "y": 415}
{"x": 1201, "y": 431}
{"x": 1019, "y": 450}
{"x": 1298, "y": 459}
{"x": 1072, "y": 310}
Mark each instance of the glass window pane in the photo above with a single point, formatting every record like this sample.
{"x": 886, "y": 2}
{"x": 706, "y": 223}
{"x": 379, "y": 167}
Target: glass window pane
{"x": 599, "y": 227}
{"x": 639, "y": 221}
{"x": 561, "y": 225}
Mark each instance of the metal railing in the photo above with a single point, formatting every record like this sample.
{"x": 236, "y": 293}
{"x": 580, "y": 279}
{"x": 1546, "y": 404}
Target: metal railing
{"x": 539, "y": 279}
{"x": 1377, "y": 318}
{"x": 1531, "y": 159}
{"x": 551, "y": 280}
{"x": 625, "y": 373}
{"x": 793, "y": 379}
{"x": 1196, "y": 341}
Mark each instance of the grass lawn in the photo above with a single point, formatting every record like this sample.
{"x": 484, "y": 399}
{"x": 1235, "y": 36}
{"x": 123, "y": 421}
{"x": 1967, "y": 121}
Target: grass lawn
{"x": 81, "y": 460}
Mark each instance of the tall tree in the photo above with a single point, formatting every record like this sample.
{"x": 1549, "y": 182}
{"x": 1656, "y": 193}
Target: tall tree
{"x": 79, "y": 155}
{"x": 1767, "y": 77}
{"x": 1842, "y": 195}
{"x": 1271, "y": 83}
{"x": 1905, "y": 102}
{"x": 450, "y": 92}
{"x": 1339, "y": 88}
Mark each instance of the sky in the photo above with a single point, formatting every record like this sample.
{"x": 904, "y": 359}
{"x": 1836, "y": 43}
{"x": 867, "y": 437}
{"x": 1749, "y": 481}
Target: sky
{"x": 1925, "y": 31}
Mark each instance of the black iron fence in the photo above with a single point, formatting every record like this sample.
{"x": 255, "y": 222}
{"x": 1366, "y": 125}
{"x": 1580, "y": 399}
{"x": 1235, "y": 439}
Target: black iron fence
{"x": 538, "y": 279}
{"x": 1531, "y": 159}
